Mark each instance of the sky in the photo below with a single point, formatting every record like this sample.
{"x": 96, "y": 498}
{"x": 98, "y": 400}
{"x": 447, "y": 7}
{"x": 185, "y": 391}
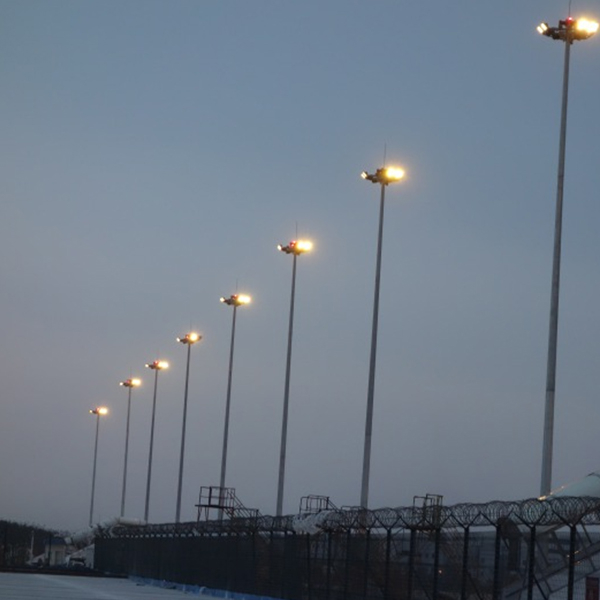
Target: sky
{"x": 153, "y": 153}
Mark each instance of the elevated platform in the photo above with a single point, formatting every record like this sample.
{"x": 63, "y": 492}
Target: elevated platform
{"x": 225, "y": 502}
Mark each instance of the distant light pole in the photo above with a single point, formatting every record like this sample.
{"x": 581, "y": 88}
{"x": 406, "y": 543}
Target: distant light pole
{"x": 568, "y": 31}
{"x": 383, "y": 177}
{"x": 189, "y": 339}
{"x": 295, "y": 248}
{"x": 129, "y": 384}
{"x": 156, "y": 366}
{"x": 234, "y": 300}
{"x": 99, "y": 411}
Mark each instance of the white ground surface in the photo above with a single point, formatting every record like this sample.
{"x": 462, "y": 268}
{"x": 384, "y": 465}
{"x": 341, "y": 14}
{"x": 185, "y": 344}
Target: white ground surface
{"x": 25, "y": 586}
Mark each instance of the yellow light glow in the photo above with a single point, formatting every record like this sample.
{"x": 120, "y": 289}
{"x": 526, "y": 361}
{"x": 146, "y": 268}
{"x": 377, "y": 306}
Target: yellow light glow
{"x": 102, "y": 410}
{"x": 587, "y": 26}
{"x": 193, "y": 337}
{"x": 136, "y": 382}
{"x": 243, "y": 299}
{"x": 394, "y": 173}
{"x": 304, "y": 245}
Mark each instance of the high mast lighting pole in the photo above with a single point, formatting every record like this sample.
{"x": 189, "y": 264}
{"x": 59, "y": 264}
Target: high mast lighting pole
{"x": 235, "y": 300}
{"x": 129, "y": 384}
{"x": 295, "y": 248}
{"x": 568, "y": 31}
{"x": 156, "y": 366}
{"x": 383, "y": 177}
{"x": 99, "y": 411}
{"x": 189, "y": 339}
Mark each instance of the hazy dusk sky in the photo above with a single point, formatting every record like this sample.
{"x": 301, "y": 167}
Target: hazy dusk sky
{"x": 153, "y": 155}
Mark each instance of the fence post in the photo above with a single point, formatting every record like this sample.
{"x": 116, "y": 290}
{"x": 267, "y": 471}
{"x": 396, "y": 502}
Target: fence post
{"x": 308, "y": 567}
{"x": 572, "y": 541}
{"x": 531, "y": 565}
{"x": 436, "y": 564}
{"x": 366, "y": 562}
{"x": 347, "y": 565}
{"x": 329, "y": 559}
{"x": 465, "y": 565}
{"x": 411, "y": 562}
{"x": 388, "y": 551}
{"x": 496, "y": 584}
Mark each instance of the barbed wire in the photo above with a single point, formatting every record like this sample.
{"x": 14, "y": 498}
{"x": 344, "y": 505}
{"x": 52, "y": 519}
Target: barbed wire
{"x": 550, "y": 512}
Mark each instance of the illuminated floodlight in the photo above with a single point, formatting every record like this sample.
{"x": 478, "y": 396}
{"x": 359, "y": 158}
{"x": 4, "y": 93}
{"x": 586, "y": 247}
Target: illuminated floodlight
{"x": 394, "y": 173}
{"x": 158, "y": 365}
{"x": 587, "y": 26}
{"x": 385, "y": 175}
{"x": 189, "y": 338}
{"x": 296, "y": 247}
{"x": 570, "y": 29}
{"x": 131, "y": 383}
{"x": 236, "y": 299}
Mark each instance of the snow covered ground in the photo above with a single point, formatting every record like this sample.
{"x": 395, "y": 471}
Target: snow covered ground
{"x": 34, "y": 586}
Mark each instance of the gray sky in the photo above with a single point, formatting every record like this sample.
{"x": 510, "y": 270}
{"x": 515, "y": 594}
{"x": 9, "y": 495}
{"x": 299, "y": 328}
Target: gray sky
{"x": 153, "y": 155}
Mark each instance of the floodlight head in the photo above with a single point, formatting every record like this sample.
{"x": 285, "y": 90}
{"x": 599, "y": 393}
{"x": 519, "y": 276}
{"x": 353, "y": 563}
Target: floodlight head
{"x": 237, "y": 300}
{"x": 189, "y": 338}
{"x": 131, "y": 383}
{"x": 158, "y": 365}
{"x": 570, "y": 29}
{"x": 586, "y": 27}
{"x": 296, "y": 247}
{"x": 385, "y": 175}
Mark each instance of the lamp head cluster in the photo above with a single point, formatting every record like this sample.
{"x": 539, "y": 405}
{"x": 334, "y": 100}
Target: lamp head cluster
{"x": 99, "y": 411}
{"x": 131, "y": 383}
{"x": 236, "y": 300}
{"x": 385, "y": 175}
{"x": 569, "y": 30}
{"x": 158, "y": 365}
{"x": 189, "y": 338}
{"x": 296, "y": 247}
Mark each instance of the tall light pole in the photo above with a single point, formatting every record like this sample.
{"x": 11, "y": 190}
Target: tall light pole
{"x": 295, "y": 248}
{"x": 234, "y": 300}
{"x": 568, "y": 31}
{"x": 156, "y": 366}
{"x": 99, "y": 411}
{"x": 383, "y": 177}
{"x": 189, "y": 339}
{"x": 129, "y": 384}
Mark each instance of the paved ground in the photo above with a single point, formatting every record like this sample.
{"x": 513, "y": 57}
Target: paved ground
{"x": 34, "y": 586}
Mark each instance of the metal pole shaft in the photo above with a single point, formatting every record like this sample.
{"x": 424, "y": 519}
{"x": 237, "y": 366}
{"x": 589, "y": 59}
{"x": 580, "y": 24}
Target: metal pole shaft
{"x": 94, "y": 469}
{"x": 364, "y": 492}
{"x": 183, "y": 427}
{"x": 546, "y": 483}
{"x": 286, "y": 395}
{"x": 147, "y": 507}
{"x": 126, "y": 452}
{"x": 228, "y": 402}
